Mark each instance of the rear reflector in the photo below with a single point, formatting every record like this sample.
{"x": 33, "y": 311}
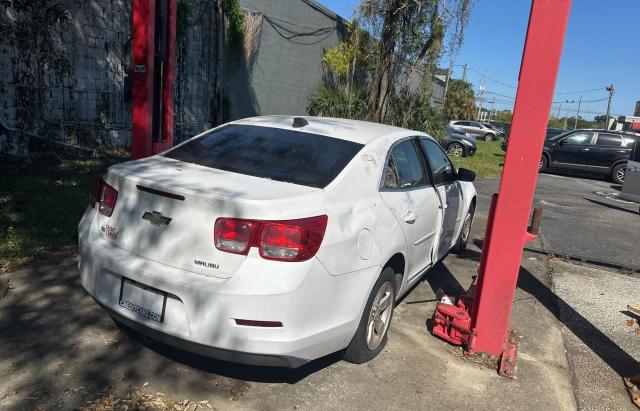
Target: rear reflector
{"x": 254, "y": 323}
{"x": 289, "y": 240}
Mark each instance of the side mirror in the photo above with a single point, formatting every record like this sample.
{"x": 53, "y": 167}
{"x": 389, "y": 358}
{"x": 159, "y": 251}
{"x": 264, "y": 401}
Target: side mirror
{"x": 466, "y": 175}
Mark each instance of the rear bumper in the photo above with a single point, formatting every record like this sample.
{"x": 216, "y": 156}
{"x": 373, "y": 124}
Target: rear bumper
{"x": 208, "y": 351}
{"x": 319, "y": 312}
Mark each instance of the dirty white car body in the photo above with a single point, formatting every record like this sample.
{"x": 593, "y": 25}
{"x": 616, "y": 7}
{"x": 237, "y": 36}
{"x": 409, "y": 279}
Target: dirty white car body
{"x": 148, "y": 253}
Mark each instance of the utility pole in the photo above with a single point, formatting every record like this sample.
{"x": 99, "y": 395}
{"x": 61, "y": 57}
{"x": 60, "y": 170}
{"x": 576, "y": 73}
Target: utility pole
{"x": 610, "y": 89}
{"x": 566, "y": 113}
{"x": 480, "y": 100}
{"x": 575, "y": 124}
{"x": 464, "y": 72}
{"x": 446, "y": 83}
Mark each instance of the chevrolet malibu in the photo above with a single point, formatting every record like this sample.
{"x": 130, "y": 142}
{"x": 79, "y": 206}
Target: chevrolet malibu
{"x": 274, "y": 240}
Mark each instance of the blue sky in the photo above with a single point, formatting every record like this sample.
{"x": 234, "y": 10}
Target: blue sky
{"x": 601, "y": 47}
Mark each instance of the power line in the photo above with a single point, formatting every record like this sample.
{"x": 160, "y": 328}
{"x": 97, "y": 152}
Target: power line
{"x": 515, "y": 87}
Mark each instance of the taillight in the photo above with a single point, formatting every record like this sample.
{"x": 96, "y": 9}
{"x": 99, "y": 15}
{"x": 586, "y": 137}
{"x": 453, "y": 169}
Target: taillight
{"x": 290, "y": 240}
{"x": 293, "y": 240}
{"x": 233, "y": 235}
{"x": 103, "y": 194}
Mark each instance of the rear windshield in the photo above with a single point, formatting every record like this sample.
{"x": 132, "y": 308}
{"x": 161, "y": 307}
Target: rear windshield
{"x": 277, "y": 154}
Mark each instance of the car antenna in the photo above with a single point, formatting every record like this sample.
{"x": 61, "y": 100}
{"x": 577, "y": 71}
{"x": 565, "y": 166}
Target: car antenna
{"x": 299, "y": 122}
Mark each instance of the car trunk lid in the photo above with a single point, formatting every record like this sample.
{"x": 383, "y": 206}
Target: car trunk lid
{"x": 166, "y": 210}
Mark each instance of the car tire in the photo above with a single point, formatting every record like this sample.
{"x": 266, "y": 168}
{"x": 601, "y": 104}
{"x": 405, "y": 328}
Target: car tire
{"x": 455, "y": 149}
{"x": 488, "y": 137}
{"x": 618, "y": 172}
{"x": 461, "y": 245}
{"x": 544, "y": 163}
{"x": 367, "y": 343}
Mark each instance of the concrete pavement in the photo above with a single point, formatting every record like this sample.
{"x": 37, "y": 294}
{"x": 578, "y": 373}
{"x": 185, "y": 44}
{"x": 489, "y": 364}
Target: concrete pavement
{"x": 60, "y": 350}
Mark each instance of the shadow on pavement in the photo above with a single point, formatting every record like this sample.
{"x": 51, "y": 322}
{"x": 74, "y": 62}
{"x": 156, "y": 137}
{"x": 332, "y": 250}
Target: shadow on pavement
{"x": 612, "y": 354}
{"x": 615, "y": 207}
{"x": 229, "y": 369}
{"x": 615, "y": 357}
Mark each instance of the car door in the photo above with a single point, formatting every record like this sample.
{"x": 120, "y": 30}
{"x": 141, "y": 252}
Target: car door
{"x": 444, "y": 178}
{"x": 606, "y": 149}
{"x": 573, "y": 151}
{"x": 408, "y": 193}
{"x": 631, "y": 186}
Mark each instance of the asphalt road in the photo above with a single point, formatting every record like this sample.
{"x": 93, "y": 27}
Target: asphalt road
{"x": 578, "y": 221}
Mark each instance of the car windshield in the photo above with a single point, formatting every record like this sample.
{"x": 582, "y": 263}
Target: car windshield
{"x": 277, "y": 154}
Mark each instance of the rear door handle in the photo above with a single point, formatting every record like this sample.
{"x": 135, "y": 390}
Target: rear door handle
{"x": 585, "y": 149}
{"x": 409, "y": 217}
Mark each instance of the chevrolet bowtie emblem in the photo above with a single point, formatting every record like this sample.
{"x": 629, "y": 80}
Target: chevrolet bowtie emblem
{"x": 156, "y": 218}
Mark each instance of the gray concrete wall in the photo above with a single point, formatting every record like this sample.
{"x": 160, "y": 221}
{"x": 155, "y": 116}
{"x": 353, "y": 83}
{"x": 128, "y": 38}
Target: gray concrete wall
{"x": 287, "y": 69}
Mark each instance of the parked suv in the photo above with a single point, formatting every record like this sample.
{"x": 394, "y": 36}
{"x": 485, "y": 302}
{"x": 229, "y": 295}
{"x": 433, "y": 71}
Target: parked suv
{"x": 600, "y": 151}
{"x": 475, "y": 128}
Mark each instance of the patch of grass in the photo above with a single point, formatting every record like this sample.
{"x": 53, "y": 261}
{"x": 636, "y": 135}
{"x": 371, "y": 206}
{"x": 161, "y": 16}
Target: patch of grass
{"x": 41, "y": 202}
{"x": 487, "y": 162}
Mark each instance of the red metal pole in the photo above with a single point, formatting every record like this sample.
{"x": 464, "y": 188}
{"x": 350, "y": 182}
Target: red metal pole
{"x": 167, "y": 80}
{"x": 142, "y": 78}
{"x": 538, "y": 72}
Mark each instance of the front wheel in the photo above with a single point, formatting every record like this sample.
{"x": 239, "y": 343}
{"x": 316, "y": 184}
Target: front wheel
{"x": 618, "y": 173}
{"x": 371, "y": 336}
{"x": 455, "y": 149}
{"x": 465, "y": 232}
{"x": 488, "y": 137}
{"x": 544, "y": 163}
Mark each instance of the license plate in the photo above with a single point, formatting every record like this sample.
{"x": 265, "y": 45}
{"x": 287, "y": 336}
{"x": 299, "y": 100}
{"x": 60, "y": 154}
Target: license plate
{"x": 143, "y": 300}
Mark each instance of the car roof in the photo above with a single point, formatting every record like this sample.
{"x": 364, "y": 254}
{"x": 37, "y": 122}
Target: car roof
{"x": 352, "y": 130}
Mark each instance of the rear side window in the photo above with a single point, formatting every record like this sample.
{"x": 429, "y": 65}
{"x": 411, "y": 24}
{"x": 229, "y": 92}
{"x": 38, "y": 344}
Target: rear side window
{"x": 579, "y": 139}
{"x": 404, "y": 169}
{"x": 277, "y": 154}
{"x": 609, "y": 140}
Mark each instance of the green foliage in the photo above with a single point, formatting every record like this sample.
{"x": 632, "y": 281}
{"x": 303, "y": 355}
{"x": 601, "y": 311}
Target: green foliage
{"x": 460, "y": 103}
{"x": 356, "y": 50}
{"x": 235, "y": 24}
{"x": 32, "y": 32}
{"x": 486, "y": 162}
{"x": 414, "y": 111}
{"x": 338, "y": 100}
{"x": 338, "y": 59}
{"x": 42, "y": 201}
{"x": 503, "y": 116}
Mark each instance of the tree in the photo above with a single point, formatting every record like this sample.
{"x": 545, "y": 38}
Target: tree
{"x": 460, "y": 102}
{"x": 410, "y": 33}
{"x": 503, "y": 116}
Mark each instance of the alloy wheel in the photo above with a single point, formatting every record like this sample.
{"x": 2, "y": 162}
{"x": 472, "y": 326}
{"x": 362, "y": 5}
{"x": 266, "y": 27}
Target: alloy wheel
{"x": 380, "y": 315}
{"x": 455, "y": 149}
{"x": 620, "y": 174}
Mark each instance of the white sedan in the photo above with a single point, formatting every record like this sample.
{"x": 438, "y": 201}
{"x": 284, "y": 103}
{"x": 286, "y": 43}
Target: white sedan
{"x": 274, "y": 240}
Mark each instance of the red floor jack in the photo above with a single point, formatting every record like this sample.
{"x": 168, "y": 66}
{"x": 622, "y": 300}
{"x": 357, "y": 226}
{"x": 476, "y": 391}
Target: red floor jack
{"x": 479, "y": 319}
